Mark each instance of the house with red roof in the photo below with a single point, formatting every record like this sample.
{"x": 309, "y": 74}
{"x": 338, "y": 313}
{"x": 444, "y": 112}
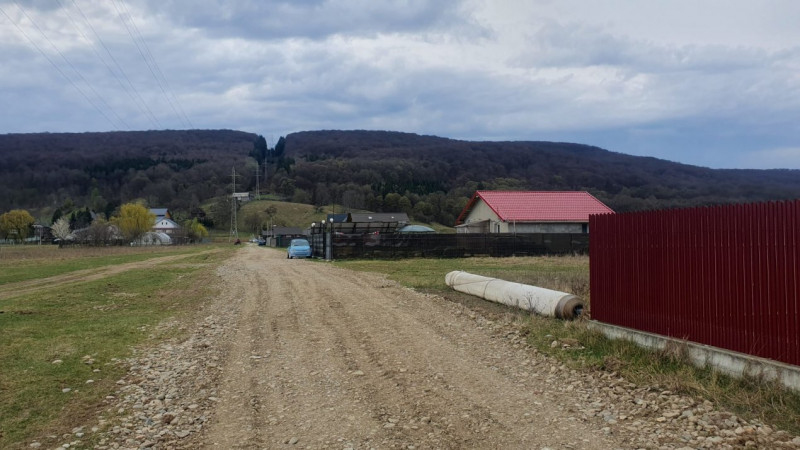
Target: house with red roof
{"x": 529, "y": 212}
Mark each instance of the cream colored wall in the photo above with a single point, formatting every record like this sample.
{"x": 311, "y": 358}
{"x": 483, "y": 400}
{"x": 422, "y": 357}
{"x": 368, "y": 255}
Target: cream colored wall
{"x": 481, "y": 211}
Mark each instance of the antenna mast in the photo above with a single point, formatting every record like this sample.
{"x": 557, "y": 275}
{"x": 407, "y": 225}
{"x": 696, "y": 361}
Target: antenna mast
{"x": 234, "y": 203}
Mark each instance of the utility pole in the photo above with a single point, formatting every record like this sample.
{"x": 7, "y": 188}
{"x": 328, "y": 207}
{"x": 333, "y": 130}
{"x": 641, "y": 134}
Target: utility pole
{"x": 258, "y": 190}
{"x": 266, "y": 163}
{"x": 234, "y": 204}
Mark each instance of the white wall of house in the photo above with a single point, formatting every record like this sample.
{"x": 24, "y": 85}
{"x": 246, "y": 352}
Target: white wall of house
{"x": 481, "y": 219}
{"x": 481, "y": 211}
{"x": 166, "y": 226}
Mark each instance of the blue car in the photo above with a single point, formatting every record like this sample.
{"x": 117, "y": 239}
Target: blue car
{"x": 299, "y": 248}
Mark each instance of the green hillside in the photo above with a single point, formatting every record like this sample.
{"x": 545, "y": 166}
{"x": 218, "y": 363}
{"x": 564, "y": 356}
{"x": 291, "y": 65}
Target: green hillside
{"x": 430, "y": 178}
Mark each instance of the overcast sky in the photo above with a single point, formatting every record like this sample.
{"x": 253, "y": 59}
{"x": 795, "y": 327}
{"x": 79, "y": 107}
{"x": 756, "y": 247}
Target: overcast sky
{"x": 711, "y": 83}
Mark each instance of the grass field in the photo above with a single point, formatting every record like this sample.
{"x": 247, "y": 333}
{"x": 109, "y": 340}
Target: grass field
{"x": 21, "y": 263}
{"x": 672, "y": 371}
{"x": 57, "y": 338}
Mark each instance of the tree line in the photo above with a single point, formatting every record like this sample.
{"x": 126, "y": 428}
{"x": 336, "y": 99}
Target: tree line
{"x": 430, "y": 178}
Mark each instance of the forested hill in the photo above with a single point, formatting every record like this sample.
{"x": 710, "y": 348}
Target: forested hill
{"x": 178, "y": 169}
{"x": 420, "y": 166}
{"x": 429, "y": 177}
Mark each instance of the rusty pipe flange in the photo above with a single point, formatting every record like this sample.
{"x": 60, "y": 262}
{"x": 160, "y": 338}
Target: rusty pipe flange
{"x": 569, "y": 307}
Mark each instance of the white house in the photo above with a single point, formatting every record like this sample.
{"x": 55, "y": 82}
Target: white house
{"x": 167, "y": 226}
{"x": 529, "y": 212}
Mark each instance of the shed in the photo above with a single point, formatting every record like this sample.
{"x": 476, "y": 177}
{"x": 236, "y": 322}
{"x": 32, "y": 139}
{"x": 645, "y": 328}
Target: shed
{"x": 363, "y": 223}
{"x": 243, "y": 196}
{"x": 281, "y": 236}
{"x": 529, "y": 212}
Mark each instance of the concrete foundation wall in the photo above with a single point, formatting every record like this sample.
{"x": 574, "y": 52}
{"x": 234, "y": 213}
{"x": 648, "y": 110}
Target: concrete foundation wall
{"x": 730, "y": 363}
{"x": 575, "y": 228}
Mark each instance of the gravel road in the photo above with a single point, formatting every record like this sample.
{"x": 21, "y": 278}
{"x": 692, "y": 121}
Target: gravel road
{"x": 300, "y": 354}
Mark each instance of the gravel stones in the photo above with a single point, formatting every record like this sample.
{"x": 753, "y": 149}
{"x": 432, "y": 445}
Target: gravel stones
{"x": 165, "y": 397}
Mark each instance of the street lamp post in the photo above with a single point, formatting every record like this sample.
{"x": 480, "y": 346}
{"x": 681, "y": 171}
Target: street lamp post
{"x": 329, "y": 246}
{"x": 314, "y": 239}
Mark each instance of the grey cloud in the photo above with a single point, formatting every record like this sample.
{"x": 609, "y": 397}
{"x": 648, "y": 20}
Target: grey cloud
{"x": 573, "y": 45}
{"x": 275, "y": 67}
{"x": 312, "y": 19}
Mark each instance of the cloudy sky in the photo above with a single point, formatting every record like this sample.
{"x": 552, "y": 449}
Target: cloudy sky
{"x": 713, "y": 82}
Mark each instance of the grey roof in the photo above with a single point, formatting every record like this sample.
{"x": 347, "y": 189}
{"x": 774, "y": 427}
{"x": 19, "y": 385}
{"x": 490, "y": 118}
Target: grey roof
{"x": 416, "y": 229}
{"x": 284, "y": 231}
{"x": 397, "y": 217}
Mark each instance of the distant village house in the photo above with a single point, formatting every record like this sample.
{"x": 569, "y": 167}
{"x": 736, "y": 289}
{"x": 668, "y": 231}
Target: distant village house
{"x": 164, "y": 223}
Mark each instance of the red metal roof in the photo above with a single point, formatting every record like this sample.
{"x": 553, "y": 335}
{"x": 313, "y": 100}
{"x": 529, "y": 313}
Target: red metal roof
{"x": 538, "y": 206}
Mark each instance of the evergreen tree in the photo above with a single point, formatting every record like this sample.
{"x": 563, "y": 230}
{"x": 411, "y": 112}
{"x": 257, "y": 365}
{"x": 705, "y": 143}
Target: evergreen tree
{"x": 259, "y": 152}
{"x": 280, "y": 147}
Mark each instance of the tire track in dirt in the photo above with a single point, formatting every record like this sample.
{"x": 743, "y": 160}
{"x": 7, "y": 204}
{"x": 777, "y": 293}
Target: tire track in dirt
{"x": 80, "y": 276}
{"x": 328, "y": 358}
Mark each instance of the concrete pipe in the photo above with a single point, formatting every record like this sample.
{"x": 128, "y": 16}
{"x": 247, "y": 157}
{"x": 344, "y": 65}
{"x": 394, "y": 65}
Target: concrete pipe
{"x": 535, "y": 299}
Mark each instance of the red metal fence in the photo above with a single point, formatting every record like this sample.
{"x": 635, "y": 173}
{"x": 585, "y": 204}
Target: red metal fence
{"x": 726, "y": 276}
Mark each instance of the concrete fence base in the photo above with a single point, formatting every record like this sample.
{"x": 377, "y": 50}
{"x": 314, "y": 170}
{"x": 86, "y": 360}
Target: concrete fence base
{"x": 731, "y": 363}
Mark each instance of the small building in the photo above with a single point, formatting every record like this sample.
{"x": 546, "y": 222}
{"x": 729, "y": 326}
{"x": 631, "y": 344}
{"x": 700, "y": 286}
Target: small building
{"x": 364, "y": 223}
{"x": 529, "y": 212}
{"x": 243, "y": 196}
{"x": 281, "y": 236}
{"x": 152, "y": 238}
{"x": 166, "y": 226}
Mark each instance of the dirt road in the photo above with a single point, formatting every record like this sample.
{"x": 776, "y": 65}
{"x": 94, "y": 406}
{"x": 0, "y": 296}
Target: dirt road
{"x": 300, "y": 354}
{"x": 327, "y": 358}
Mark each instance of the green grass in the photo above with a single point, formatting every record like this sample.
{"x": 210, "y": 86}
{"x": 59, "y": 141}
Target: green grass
{"x": 288, "y": 214}
{"x": 33, "y": 262}
{"x": 100, "y": 320}
{"x": 670, "y": 370}
{"x": 570, "y": 273}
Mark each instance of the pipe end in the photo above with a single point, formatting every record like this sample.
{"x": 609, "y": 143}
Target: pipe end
{"x": 569, "y": 307}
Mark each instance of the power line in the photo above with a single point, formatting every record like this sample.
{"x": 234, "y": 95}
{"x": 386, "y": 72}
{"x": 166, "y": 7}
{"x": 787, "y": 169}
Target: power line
{"x": 77, "y": 72}
{"x": 151, "y": 63}
{"x": 130, "y": 89}
{"x": 58, "y": 69}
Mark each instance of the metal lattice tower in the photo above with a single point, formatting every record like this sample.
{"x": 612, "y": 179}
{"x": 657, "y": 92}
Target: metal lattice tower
{"x": 234, "y": 204}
